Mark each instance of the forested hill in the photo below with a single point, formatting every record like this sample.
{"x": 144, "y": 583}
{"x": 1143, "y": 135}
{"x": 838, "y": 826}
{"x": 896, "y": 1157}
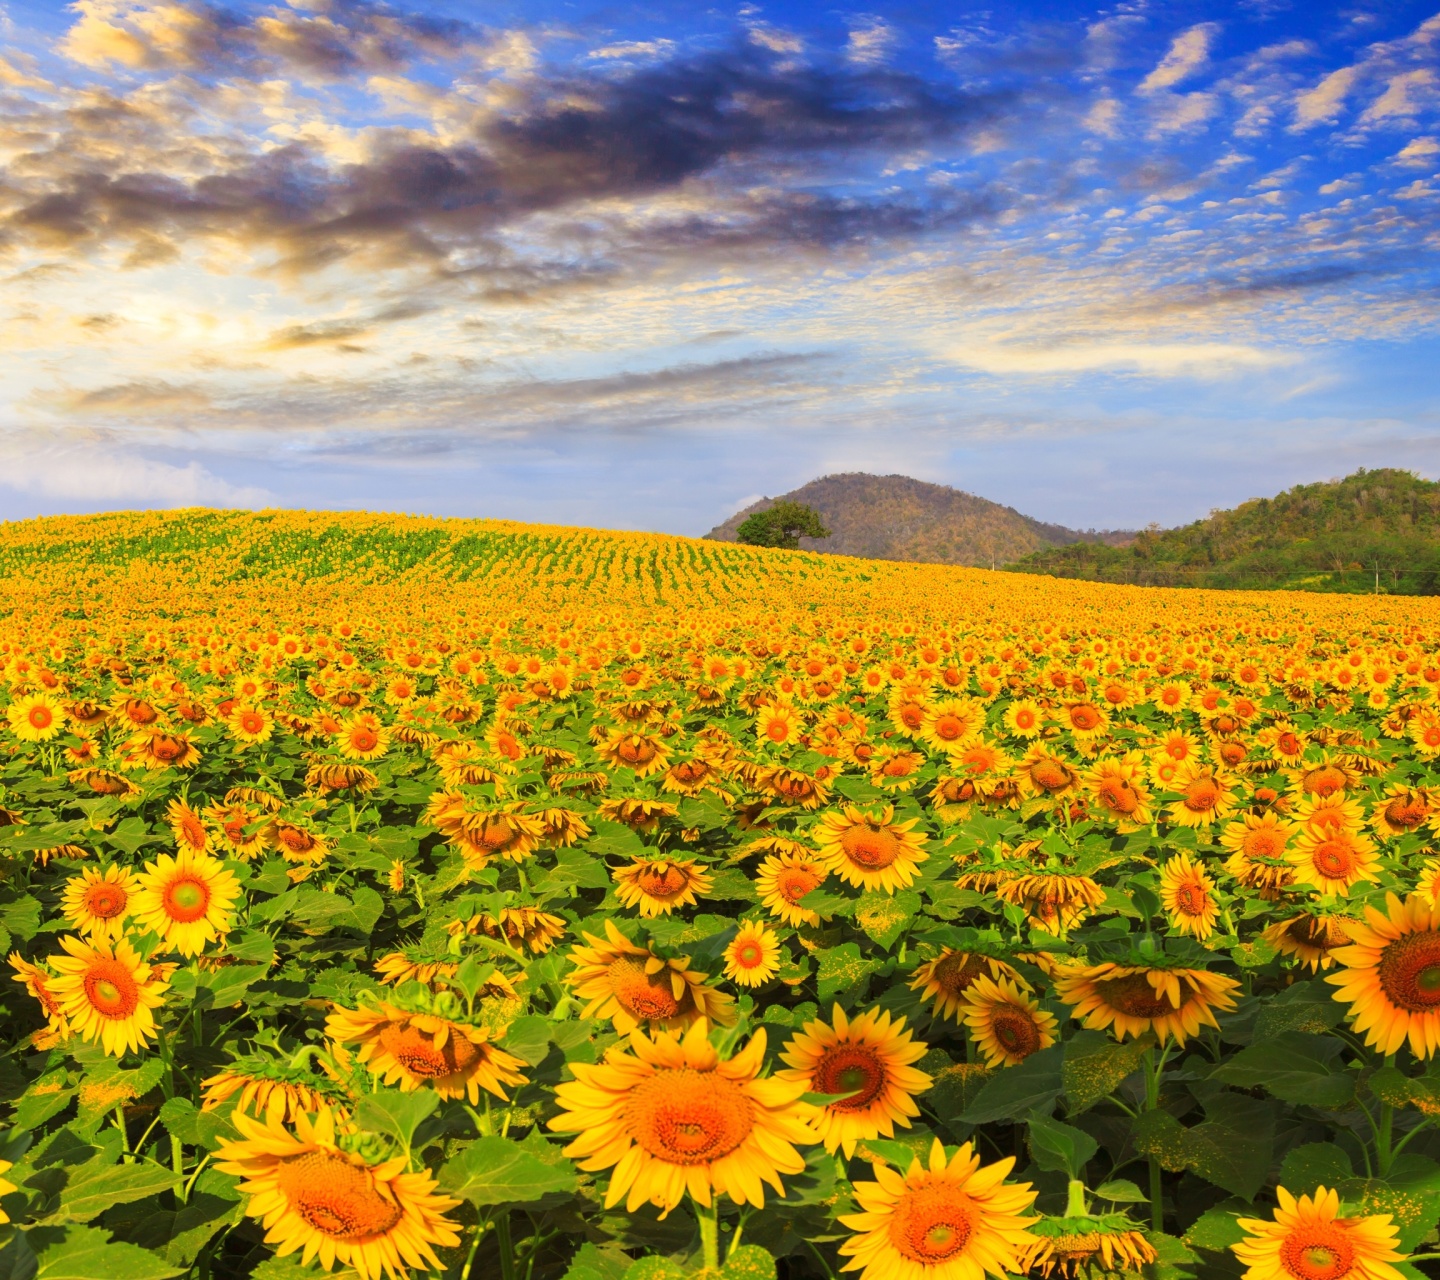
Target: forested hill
{"x": 1337, "y": 535}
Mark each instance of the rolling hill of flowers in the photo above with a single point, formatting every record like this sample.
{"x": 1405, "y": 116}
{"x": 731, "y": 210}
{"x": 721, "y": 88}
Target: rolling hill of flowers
{"x": 392, "y": 897}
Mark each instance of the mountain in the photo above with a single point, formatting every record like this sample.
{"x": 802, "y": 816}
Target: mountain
{"x": 1374, "y": 530}
{"x": 897, "y": 518}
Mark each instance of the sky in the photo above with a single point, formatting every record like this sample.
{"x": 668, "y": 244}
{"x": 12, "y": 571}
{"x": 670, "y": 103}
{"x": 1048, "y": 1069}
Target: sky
{"x": 636, "y": 265}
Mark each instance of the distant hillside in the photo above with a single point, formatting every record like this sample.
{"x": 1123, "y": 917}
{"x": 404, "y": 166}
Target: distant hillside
{"x": 1333, "y": 536}
{"x": 897, "y": 518}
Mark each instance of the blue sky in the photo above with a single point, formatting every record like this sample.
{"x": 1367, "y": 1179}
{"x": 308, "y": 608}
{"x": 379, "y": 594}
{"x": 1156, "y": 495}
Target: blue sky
{"x": 633, "y": 266}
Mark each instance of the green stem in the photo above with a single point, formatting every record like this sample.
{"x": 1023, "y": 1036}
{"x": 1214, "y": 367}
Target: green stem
{"x": 1384, "y": 1132}
{"x": 1075, "y": 1206}
{"x": 507, "y": 1247}
{"x": 177, "y": 1161}
{"x": 709, "y": 1219}
{"x": 820, "y": 1258}
{"x": 1152, "y": 1102}
{"x": 480, "y": 1230}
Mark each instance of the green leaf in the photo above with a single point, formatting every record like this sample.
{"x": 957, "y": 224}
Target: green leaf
{"x": 842, "y": 969}
{"x": 501, "y": 1171}
{"x": 1307, "y": 1006}
{"x": 1217, "y": 1229}
{"x": 251, "y": 947}
{"x": 1316, "y": 1164}
{"x": 21, "y": 918}
{"x": 79, "y": 1253}
{"x": 395, "y": 1113}
{"x": 956, "y": 1087}
{"x": 1095, "y": 1066}
{"x": 528, "y": 1038}
{"x": 94, "y": 1186}
{"x": 130, "y": 835}
{"x": 1294, "y": 1066}
{"x": 1391, "y": 1085}
{"x": 655, "y": 1269}
{"x": 730, "y": 884}
{"x": 1409, "y": 1193}
{"x": 1059, "y": 1147}
{"x": 194, "y": 1127}
{"x": 748, "y": 1262}
{"x": 884, "y": 917}
{"x": 176, "y": 1234}
{"x": 594, "y": 1263}
{"x": 1231, "y": 1148}
{"x": 1121, "y": 1191}
{"x": 1017, "y": 1091}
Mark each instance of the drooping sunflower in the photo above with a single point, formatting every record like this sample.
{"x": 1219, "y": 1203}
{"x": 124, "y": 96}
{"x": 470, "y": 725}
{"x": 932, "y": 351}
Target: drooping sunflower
{"x": 632, "y": 986}
{"x": 1134, "y": 999}
{"x": 426, "y": 1041}
{"x": 870, "y": 1059}
{"x": 952, "y": 1220}
{"x": 107, "y": 993}
{"x": 753, "y": 956}
{"x": 672, "y": 1117}
{"x": 1337, "y": 811}
{"x": 1308, "y": 1240}
{"x": 520, "y": 926}
{"x": 1333, "y": 862}
{"x": 1391, "y": 978}
{"x": 35, "y": 717}
{"x": 1007, "y": 1023}
{"x": 642, "y": 753}
{"x": 658, "y": 885}
{"x": 297, "y": 845}
{"x": 782, "y": 881}
{"x": 97, "y": 902}
{"x": 1188, "y": 895}
{"x": 319, "y": 1200}
{"x": 1043, "y": 775}
{"x": 1402, "y": 810}
{"x": 39, "y": 983}
{"x": 945, "y": 981}
{"x": 1056, "y": 901}
{"x": 1258, "y": 845}
{"x": 1311, "y": 939}
{"x": 1084, "y": 720}
{"x": 186, "y": 827}
{"x": 271, "y": 1087}
{"x": 186, "y": 899}
{"x": 871, "y": 850}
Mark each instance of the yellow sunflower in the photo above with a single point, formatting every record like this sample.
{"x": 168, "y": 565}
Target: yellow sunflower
{"x": 1118, "y": 792}
{"x": 779, "y": 724}
{"x": 321, "y": 1201}
{"x": 631, "y": 986}
{"x": 1084, "y": 720}
{"x": 187, "y": 900}
{"x": 97, "y": 902}
{"x": 39, "y": 982}
{"x": 945, "y": 981}
{"x": 952, "y": 1220}
{"x": 1134, "y": 999}
{"x": 107, "y": 993}
{"x": 1056, "y": 901}
{"x": 186, "y": 827}
{"x": 1006, "y": 1023}
{"x": 1333, "y": 862}
{"x": 1308, "y": 1240}
{"x": 519, "y": 926}
{"x": 868, "y": 1058}
{"x": 642, "y": 753}
{"x": 250, "y": 725}
{"x": 753, "y": 956}
{"x": 35, "y": 717}
{"x": 1205, "y": 796}
{"x": 782, "y": 881}
{"x": 1188, "y": 895}
{"x": 270, "y": 1087}
{"x": 1311, "y": 939}
{"x": 672, "y": 1117}
{"x": 1042, "y": 774}
{"x": 869, "y": 850}
{"x": 1391, "y": 977}
{"x": 1402, "y": 810}
{"x": 1023, "y": 718}
{"x": 658, "y": 885}
{"x": 951, "y": 725}
{"x": 1258, "y": 845}
{"x": 363, "y": 738}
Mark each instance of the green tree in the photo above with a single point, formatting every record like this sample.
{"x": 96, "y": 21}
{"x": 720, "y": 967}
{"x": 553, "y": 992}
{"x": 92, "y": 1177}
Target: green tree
{"x": 782, "y": 525}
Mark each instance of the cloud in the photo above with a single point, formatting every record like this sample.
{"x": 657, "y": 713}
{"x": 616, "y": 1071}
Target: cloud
{"x": 871, "y": 43}
{"x": 1188, "y": 53}
{"x": 1323, "y": 103}
{"x": 1197, "y": 360}
{"x": 1405, "y": 96}
{"x": 630, "y": 50}
{"x": 1419, "y": 153}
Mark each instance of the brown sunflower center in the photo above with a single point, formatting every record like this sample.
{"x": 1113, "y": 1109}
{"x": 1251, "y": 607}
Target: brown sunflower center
{"x": 1134, "y": 996}
{"x": 166, "y": 747}
{"x": 186, "y": 899}
{"x": 336, "y": 1198}
{"x": 954, "y": 973}
{"x": 496, "y": 834}
{"x": 105, "y": 900}
{"x": 870, "y": 846}
{"x": 689, "y": 1117}
{"x": 637, "y": 750}
{"x": 1015, "y": 1030}
{"x": 1050, "y": 774}
{"x": 1409, "y": 971}
{"x": 421, "y": 1055}
{"x": 647, "y": 996}
{"x": 1317, "y": 1251}
{"x": 931, "y": 1224}
{"x": 111, "y": 989}
{"x": 855, "y": 1069}
{"x": 1405, "y": 812}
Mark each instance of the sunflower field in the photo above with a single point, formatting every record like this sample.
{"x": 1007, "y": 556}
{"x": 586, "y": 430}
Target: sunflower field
{"x": 391, "y": 897}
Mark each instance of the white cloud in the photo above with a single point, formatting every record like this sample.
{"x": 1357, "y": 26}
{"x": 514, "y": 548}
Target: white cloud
{"x": 870, "y": 44}
{"x": 1202, "y": 360}
{"x": 777, "y": 41}
{"x": 1189, "y": 51}
{"x": 741, "y": 503}
{"x": 1404, "y": 96}
{"x": 1419, "y": 153}
{"x": 633, "y": 49}
{"x": 1324, "y": 102}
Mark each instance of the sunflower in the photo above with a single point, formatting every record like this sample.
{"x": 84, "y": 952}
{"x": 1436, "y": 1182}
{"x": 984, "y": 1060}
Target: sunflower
{"x": 1391, "y": 977}
{"x": 1205, "y": 796}
{"x": 793, "y": 787}
{"x": 951, "y": 725}
{"x": 753, "y": 956}
{"x": 270, "y": 1087}
{"x": 782, "y": 881}
{"x": 39, "y": 983}
{"x": 1084, "y": 720}
{"x": 1023, "y": 718}
{"x": 296, "y": 844}
{"x": 1308, "y": 1240}
{"x": 1258, "y": 846}
{"x": 873, "y": 852}
{"x": 157, "y": 748}
{"x": 250, "y": 725}
{"x": 519, "y": 926}
{"x": 320, "y": 1200}
{"x": 867, "y": 1058}
{"x": 242, "y": 826}
{"x": 397, "y": 967}
{"x": 1056, "y": 901}
{"x": 658, "y": 885}
{"x": 186, "y": 900}
{"x": 1327, "y": 778}
{"x": 410, "y": 1045}
{"x": 1188, "y": 895}
{"x": 1134, "y": 999}
{"x": 1401, "y": 810}
{"x": 186, "y": 827}
{"x": 363, "y": 738}
{"x": 1311, "y": 939}
{"x": 36, "y": 717}
{"x": 779, "y": 724}
{"x": 1042, "y": 774}
{"x": 1333, "y": 863}
{"x": 1117, "y": 790}
{"x": 671, "y": 1116}
{"x": 1005, "y": 1022}
{"x": 107, "y": 993}
{"x": 97, "y": 902}
{"x": 951, "y": 1221}
{"x": 631, "y": 985}
{"x": 946, "y": 980}
{"x": 639, "y": 813}
{"x": 642, "y": 753}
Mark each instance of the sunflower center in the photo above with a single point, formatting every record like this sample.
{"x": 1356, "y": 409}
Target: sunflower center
{"x": 1117, "y": 795}
{"x": 795, "y": 882}
{"x": 1084, "y": 717}
{"x": 1409, "y": 971}
{"x": 496, "y": 834}
{"x": 335, "y": 1198}
{"x": 41, "y": 717}
{"x": 647, "y": 996}
{"x": 949, "y": 728}
{"x": 870, "y": 846}
{"x": 106, "y": 900}
{"x": 1334, "y": 859}
{"x": 1318, "y": 1252}
{"x": 1202, "y": 795}
{"x": 420, "y": 1055}
{"x": 363, "y": 740}
{"x": 1264, "y": 842}
{"x": 1015, "y": 1030}
{"x": 749, "y": 954}
{"x": 1051, "y": 775}
{"x": 689, "y": 1117}
{"x": 165, "y": 747}
{"x": 663, "y": 881}
{"x": 956, "y": 972}
{"x": 1324, "y": 781}
{"x": 1133, "y": 996}
{"x": 1405, "y": 812}
{"x": 1191, "y": 898}
{"x": 931, "y": 1224}
{"x": 637, "y": 750}
{"x": 111, "y": 989}
{"x": 186, "y": 899}
{"x": 854, "y": 1069}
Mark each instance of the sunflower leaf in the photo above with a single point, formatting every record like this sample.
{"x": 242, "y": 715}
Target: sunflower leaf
{"x": 79, "y": 1253}
{"x": 500, "y": 1171}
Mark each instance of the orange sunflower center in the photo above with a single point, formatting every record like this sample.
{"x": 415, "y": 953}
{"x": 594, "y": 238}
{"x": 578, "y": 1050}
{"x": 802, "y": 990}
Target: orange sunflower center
{"x": 1134, "y": 996}
{"x": 1263, "y": 842}
{"x": 1405, "y": 812}
{"x": 1324, "y": 781}
{"x": 496, "y": 834}
{"x": 1025, "y": 719}
{"x": 420, "y": 1055}
{"x": 1084, "y": 717}
{"x": 166, "y": 747}
{"x": 931, "y": 1224}
{"x": 662, "y": 881}
{"x": 1334, "y": 859}
{"x": 870, "y": 846}
{"x": 1015, "y": 1030}
{"x": 295, "y": 840}
{"x": 954, "y": 973}
{"x": 1051, "y": 775}
{"x": 41, "y": 717}
{"x": 1118, "y": 796}
{"x": 1191, "y": 898}
{"x": 1317, "y": 1251}
{"x": 1202, "y": 795}
{"x": 364, "y": 740}
{"x": 647, "y": 996}
{"x": 749, "y": 955}
{"x": 335, "y": 1197}
{"x": 689, "y": 1117}
{"x": 1409, "y": 971}
{"x": 252, "y": 722}
{"x": 956, "y": 791}
{"x": 186, "y": 899}
{"x": 855, "y": 1069}
{"x": 636, "y": 750}
{"x": 111, "y": 989}
{"x": 105, "y": 900}
{"x": 949, "y": 728}
{"x": 793, "y": 883}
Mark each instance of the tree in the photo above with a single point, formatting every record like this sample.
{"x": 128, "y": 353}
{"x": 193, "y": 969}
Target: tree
{"x": 782, "y": 525}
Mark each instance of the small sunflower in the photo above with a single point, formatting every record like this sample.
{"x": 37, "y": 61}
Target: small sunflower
{"x": 97, "y": 902}
{"x": 186, "y": 827}
{"x": 1006, "y": 1023}
{"x": 107, "y": 993}
{"x": 186, "y": 900}
{"x": 779, "y": 724}
{"x": 642, "y": 753}
{"x": 1134, "y": 999}
{"x": 1308, "y": 1240}
{"x": 946, "y": 980}
{"x": 658, "y": 885}
{"x": 1402, "y": 810}
{"x": 1188, "y": 895}
{"x": 250, "y": 725}
{"x": 782, "y": 881}
{"x": 40, "y": 983}
{"x": 363, "y": 738}
{"x": 871, "y": 850}
{"x": 1258, "y": 845}
{"x": 1044, "y": 775}
{"x": 753, "y": 956}
{"x": 1023, "y": 718}
{"x": 1056, "y": 901}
